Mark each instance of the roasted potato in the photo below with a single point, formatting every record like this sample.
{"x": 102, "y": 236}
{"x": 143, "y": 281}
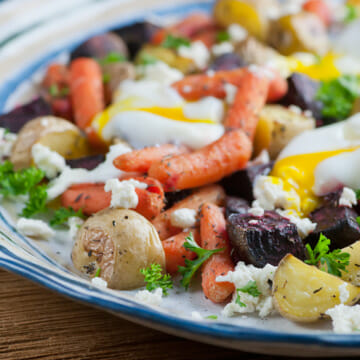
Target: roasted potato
{"x": 353, "y": 269}
{"x": 250, "y": 14}
{"x": 58, "y": 134}
{"x": 356, "y": 107}
{"x": 120, "y": 242}
{"x": 303, "y": 293}
{"x": 277, "y": 126}
{"x": 301, "y": 32}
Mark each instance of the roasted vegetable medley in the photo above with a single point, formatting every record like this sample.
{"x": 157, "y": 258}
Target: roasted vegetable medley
{"x": 224, "y": 145}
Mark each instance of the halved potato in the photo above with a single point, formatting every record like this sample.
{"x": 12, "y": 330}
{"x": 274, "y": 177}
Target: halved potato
{"x": 57, "y": 134}
{"x": 353, "y": 274}
{"x": 277, "y": 126}
{"x": 303, "y": 293}
{"x": 356, "y": 106}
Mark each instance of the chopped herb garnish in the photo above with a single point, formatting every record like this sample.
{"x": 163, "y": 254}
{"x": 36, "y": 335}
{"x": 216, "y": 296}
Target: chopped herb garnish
{"x": 222, "y": 36}
{"x": 351, "y": 14}
{"x": 238, "y": 300}
{"x": 98, "y": 271}
{"x": 336, "y": 261}
{"x": 147, "y": 59}
{"x": 63, "y": 214}
{"x": 251, "y": 289}
{"x": 338, "y": 96}
{"x": 112, "y": 57}
{"x": 358, "y": 220}
{"x": 56, "y": 92}
{"x": 357, "y": 192}
{"x": 106, "y": 78}
{"x": 191, "y": 266}
{"x": 154, "y": 279}
{"x": 36, "y": 202}
{"x": 174, "y": 42}
{"x": 212, "y": 317}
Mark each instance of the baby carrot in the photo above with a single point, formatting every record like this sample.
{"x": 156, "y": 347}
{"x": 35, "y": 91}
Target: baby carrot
{"x": 214, "y": 236}
{"x": 205, "y": 166}
{"x": 86, "y": 88}
{"x": 209, "y": 194}
{"x": 141, "y": 160}
{"x": 176, "y": 253}
{"x": 320, "y": 8}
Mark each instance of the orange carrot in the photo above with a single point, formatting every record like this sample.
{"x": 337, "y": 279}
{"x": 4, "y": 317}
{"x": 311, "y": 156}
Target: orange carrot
{"x": 205, "y": 166}
{"x": 214, "y": 236}
{"x": 56, "y": 74}
{"x": 87, "y": 91}
{"x": 206, "y": 36}
{"x": 195, "y": 87}
{"x": 210, "y": 194}
{"x": 321, "y": 9}
{"x": 92, "y": 198}
{"x": 141, "y": 160}
{"x": 249, "y": 100}
{"x": 176, "y": 253}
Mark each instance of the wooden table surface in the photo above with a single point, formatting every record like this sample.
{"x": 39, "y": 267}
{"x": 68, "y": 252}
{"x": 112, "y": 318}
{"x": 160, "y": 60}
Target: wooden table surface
{"x": 38, "y": 324}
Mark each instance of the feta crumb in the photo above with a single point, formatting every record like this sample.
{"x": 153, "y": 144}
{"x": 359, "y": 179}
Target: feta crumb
{"x": 256, "y": 211}
{"x": 295, "y": 109}
{"x": 34, "y": 228}
{"x": 208, "y": 108}
{"x": 98, "y": 281}
{"x": 253, "y": 222}
{"x": 210, "y": 73}
{"x": 237, "y": 33}
{"x": 47, "y": 160}
{"x": 123, "y": 194}
{"x": 150, "y": 298}
{"x": 240, "y": 277}
{"x": 183, "y": 218}
{"x": 230, "y": 91}
{"x": 345, "y": 319}
{"x": 348, "y": 197}
{"x": 270, "y": 194}
{"x": 197, "y": 52}
{"x": 343, "y": 293}
{"x": 262, "y": 159}
{"x": 308, "y": 113}
{"x": 224, "y": 47}
{"x": 74, "y": 223}
{"x": 160, "y": 72}
{"x": 304, "y": 226}
{"x": 261, "y": 71}
{"x": 7, "y": 141}
{"x": 196, "y": 315}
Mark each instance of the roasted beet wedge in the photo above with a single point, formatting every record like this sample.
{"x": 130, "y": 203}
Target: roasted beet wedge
{"x": 337, "y": 223}
{"x": 235, "y": 205}
{"x": 87, "y": 162}
{"x": 228, "y": 61}
{"x": 240, "y": 184}
{"x": 261, "y": 240}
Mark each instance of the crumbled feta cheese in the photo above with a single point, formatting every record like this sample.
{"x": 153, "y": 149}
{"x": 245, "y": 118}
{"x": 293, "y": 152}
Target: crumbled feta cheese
{"x": 7, "y": 141}
{"x": 74, "y": 223}
{"x": 98, "y": 281}
{"x": 34, "y": 228}
{"x": 262, "y": 159}
{"x": 237, "y": 33}
{"x": 161, "y": 72}
{"x": 295, "y": 109}
{"x": 197, "y": 52}
{"x": 346, "y": 319}
{"x": 253, "y": 222}
{"x": 256, "y": 211}
{"x": 208, "y": 108}
{"x": 183, "y": 218}
{"x": 240, "y": 277}
{"x": 270, "y": 194}
{"x": 47, "y": 160}
{"x": 150, "y": 298}
{"x": 224, "y": 47}
{"x": 348, "y": 197}
{"x": 230, "y": 91}
{"x": 261, "y": 71}
{"x": 304, "y": 226}
{"x": 196, "y": 315}
{"x": 308, "y": 113}
{"x": 210, "y": 73}
{"x": 123, "y": 194}
{"x": 343, "y": 293}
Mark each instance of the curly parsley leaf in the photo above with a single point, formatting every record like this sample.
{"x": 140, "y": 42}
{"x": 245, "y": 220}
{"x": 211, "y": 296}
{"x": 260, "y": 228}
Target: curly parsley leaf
{"x": 36, "y": 202}
{"x": 212, "y": 317}
{"x": 154, "y": 279}
{"x": 54, "y": 91}
{"x": 112, "y": 57}
{"x": 98, "y": 271}
{"x": 338, "y": 96}
{"x": 147, "y": 59}
{"x": 336, "y": 261}
{"x": 238, "y": 299}
{"x": 63, "y": 214}
{"x": 251, "y": 289}
{"x": 191, "y": 266}
{"x": 174, "y": 42}
{"x": 351, "y": 14}
{"x": 222, "y": 36}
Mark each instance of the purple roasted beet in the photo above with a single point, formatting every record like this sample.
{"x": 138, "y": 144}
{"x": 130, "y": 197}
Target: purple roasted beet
{"x": 336, "y": 223}
{"x": 241, "y": 183}
{"x": 228, "y": 61}
{"x": 87, "y": 162}
{"x": 17, "y": 118}
{"x": 261, "y": 240}
{"x": 235, "y": 205}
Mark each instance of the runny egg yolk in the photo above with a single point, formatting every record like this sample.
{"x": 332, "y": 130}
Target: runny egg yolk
{"x": 298, "y": 174}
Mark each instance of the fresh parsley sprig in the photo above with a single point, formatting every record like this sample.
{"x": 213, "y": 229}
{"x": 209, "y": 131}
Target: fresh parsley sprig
{"x": 250, "y": 288}
{"x": 36, "y": 202}
{"x": 147, "y": 59}
{"x": 336, "y": 261}
{"x": 222, "y": 36}
{"x": 154, "y": 279}
{"x": 191, "y": 266}
{"x": 63, "y": 214}
{"x": 174, "y": 42}
{"x": 351, "y": 13}
{"x": 112, "y": 57}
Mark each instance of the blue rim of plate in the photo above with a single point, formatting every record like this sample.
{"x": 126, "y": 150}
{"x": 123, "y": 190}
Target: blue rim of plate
{"x": 61, "y": 284}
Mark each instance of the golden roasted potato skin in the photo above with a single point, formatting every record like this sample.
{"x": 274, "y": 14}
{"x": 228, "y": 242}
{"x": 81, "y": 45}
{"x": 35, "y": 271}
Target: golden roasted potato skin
{"x": 277, "y": 126}
{"x": 353, "y": 274}
{"x": 301, "y": 32}
{"x": 303, "y": 293}
{"x": 56, "y": 133}
{"x": 356, "y": 107}
{"x": 120, "y": 242}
